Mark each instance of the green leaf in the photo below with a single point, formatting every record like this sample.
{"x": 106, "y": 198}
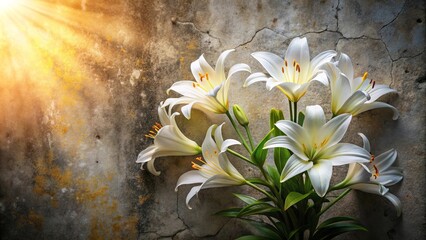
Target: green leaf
{"x": 336, "y": 226}
{"x": 230, "y": 212}
{"x": 274, "y": 174}
{"x": 266, "y": 231}
{"x": 258, "y": 181}
{"x": 259, "y": 154}
{"x": 245, "y": 198}
{"x": 281, "y": 155}
{"x": 334, "y": 220}
{"x": 293, "y": 198}
{"x": 252, "y": 237}
{"x": 261, "y": 208}
{"x": 301, "y": 118}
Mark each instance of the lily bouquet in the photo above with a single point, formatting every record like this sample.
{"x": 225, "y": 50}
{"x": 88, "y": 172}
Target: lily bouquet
{"x": 294, "y": 186}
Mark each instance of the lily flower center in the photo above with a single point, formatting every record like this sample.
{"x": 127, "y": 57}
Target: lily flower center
{"x": 207, "y": 168}
{"x": 154, "y": 130}
{"x": 204, "y": 83}
{"x": 369, "y": 87}
{"x": 294, "y": 74}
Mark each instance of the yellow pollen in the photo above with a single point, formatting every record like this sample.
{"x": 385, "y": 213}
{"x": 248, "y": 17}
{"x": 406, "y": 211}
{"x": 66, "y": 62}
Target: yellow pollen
{"x": 155, "y": 128}
{"x": 193, "y": 84}
{"x": 195, "y": 166}
{"x": 364, "y": 76}
{"x": 202, "y": 76}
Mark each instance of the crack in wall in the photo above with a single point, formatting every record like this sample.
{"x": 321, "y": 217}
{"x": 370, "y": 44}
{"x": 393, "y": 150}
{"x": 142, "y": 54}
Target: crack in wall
{"x": 393, "y": 20}
{"x": 337, "y": 15}
{"x": 196, "y": 28}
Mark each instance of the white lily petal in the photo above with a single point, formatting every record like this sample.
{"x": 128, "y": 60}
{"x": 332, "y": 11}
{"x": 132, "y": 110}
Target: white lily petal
{"x": 322, "y": 58}
{"x": 286, "y": 142}
{"x": 190, "y": 177}
{"x": 373, "y": 188}
{"x": 151, "y": 168}
{"x": 321, "y": 77}
{"x": 386, "y": 159}
{"x": 345, "y": 153}
{"x": 227, "y": 143}
{"x": 298, "y": 51}
{"x": 365, "y": 142}
{"x": 240, "y": 67}
{"x": 353, "y": 103}
{"x": 146, "y": 154}
{"x": 186, "y": 110}
{"x": 340, "y": 92}
{"x": 271, "y": 62}
{"x": 314, "y": 119}
{"x": 293, "y": 167}
{"x": 206, "y": 68}
{"x": 293, "y": 130}
{"x": 255, "y": 77}
{"x": 374, "y": 105}
{"x": 395, "y": 201}
{"x": 389, "y": 178}
{"x": 378, "y": 91}
{"x": 345, "y": 65}
{"x": 220, "y": 68}
{"x": 356, "y": 174}
{"x": 320, "y": 175}
{"x": 191, "y": 194}
{"x": 334, "y": 130}
{"x": 210, "y": 149}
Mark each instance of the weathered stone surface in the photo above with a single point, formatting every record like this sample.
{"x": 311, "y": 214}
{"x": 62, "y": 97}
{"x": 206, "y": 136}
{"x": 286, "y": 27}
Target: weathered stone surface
{"x": 366, "y": 18}
{"x": 405, "y": 36}
{"x": 77, "y": 100}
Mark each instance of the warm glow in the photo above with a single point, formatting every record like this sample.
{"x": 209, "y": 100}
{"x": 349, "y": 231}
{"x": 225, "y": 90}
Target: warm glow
{"x": 8, "y": 4}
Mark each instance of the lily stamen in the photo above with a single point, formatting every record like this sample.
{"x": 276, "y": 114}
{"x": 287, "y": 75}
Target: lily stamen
{"x": 154, "y": 130}
{"x": 376, "y": 172}
{"x": 372, "y": 158}
{"x": 364, "y": 77}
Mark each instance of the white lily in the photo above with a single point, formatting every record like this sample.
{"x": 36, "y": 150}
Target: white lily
{"x": 216, "y": 170}
{"x": 382, "y": 175}
{"x": 168, "y": 141}
{"x": 210, "y": 89}
{"x": 293, "y": 74}
{"x": 354, "y": 96}
{"x": 316, "y": 148}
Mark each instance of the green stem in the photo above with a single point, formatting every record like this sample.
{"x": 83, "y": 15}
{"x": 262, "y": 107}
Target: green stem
{"x": 238, "y": 132}
{"x": 262, "y": 191}
{"x": 250, "y": 137}
{"x": 239, "y": 155}
{"x": 290, "y": 106}
{"x": 335, "y": 201}
{"x": 295, "y": 112}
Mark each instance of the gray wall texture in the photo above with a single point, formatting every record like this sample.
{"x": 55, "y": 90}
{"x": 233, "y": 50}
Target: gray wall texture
{"x": 80, "y": 82}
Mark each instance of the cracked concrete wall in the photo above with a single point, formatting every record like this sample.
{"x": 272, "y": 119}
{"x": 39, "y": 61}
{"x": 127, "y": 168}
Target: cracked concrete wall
{"x": 73, "y": 117}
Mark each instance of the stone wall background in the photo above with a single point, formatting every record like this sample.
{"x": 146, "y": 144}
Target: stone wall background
{"x": 73, "y": 114}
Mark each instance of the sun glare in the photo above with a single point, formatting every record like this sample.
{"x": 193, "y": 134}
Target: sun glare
{"x": 8, "y": 4}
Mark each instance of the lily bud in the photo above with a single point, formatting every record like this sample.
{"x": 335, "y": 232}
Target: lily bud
{"x": 240, "y": 115}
